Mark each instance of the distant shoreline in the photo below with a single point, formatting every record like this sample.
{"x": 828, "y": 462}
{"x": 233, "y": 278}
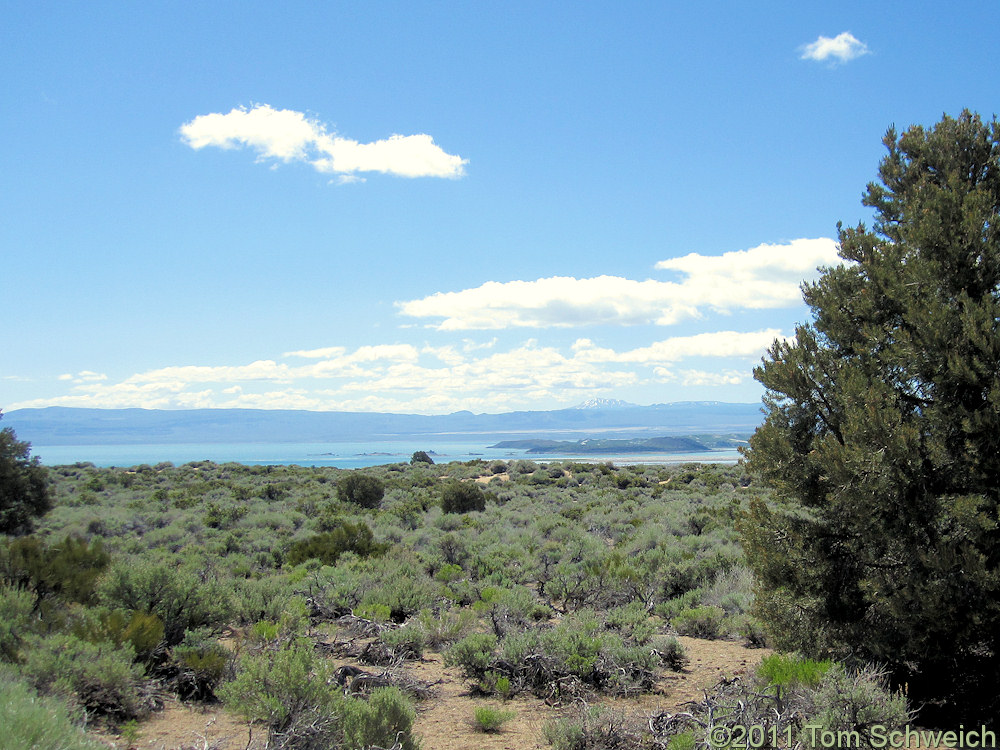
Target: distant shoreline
{"x": 352, "y": 455}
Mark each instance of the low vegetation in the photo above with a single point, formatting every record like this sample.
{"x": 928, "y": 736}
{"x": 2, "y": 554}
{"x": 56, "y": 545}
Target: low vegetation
{"x": 491, "y": 719}
{"x": 552, "y": 580}
{"x": 560, "y": 581}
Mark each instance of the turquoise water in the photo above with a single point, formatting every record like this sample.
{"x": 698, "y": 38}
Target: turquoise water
{"x": 339, "y": 455}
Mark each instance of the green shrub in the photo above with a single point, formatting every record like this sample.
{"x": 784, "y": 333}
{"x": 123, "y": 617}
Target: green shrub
{"x": 670, "y": 652}
{"x": 682, "y": 741}
{"x": 421, "y": 457}
{"x": 462, "y": 497}
{"x": 510, "y": 609}
{"x": 404, "y": 591}
{"x": 573, "y": 645}
{"x": 632, "y": 621}
{"x": 385, "y": 719}
{"x": 257, "y": 599}
{"x": 289, "y": 692}
{"x": 361, "y": 489}
{"x": 201, "y": 664}
{"x": 394, "y": 645}
{"x": 732, "y": 590}
{"x": 100, "y": 677}
{"x": 700, "y": 622}
{"x": 142, "y": 631}
{"x": 848, "y": 701}
{"x": 673, "y": 606}
{"x": 491, "y": 719}
{"x": 752, "y": 630}
{"x": 445, "y": 627}
{"x": 403, "y": 643}
{"x": 223, "y": 516}
{"x": 68, "y": 569}
{"x": 15, "y": 616}
{"x": 449, "y": 572}
{"x": 264, "y": 631}
{"x": 181, "y": 599}
{"x": 454, "y": 551}
{"x": 329, "y": 546}
{"x": 789, "y": 670}
{"x": 566, "y": 734}
{"x": 494, "y": 683}
{"x": 473, "y": 654}
{"x": 794, "y": 698}
{"x": 33, "y": 721}
{"x": 575, "y": 648}
{"x": 373, "y": 612}
{"x": 593, "y": 728}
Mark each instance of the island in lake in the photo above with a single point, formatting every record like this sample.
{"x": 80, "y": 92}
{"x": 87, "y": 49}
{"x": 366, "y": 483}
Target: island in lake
{"x": 691, "y": 444}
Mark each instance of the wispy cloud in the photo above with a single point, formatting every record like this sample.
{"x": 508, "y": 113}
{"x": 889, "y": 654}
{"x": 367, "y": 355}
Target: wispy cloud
{"x": 767, "y": 276}
{"x": 85, "y": 376}
{"x": 287, "y": 136}
{"x": 842, "y": 48}
{"x": 400, "y": 377}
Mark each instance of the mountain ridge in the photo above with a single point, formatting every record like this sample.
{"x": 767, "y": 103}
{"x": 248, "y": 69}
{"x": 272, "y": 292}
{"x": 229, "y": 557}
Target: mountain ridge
{"x": 58, "y": 425}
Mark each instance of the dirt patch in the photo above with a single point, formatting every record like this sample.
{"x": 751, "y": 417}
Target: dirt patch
{"x": 446, "y": 721}
{"x": 503, "y": 477}
{"x": 710, "y": 661}
{"x": 188, "y": 727}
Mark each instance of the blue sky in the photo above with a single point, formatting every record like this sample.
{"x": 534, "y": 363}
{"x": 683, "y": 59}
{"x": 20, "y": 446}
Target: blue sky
{"x": 431, "y": 207}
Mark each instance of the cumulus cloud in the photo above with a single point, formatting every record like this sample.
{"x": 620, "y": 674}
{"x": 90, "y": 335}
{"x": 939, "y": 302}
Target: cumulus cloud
{"x": 701, "y": 377}
{"x": 766, "y": 276}
{"x": 842, "y": 48}
{"x": 715, "y": 344}
{"x": 433, "y": 379}
{"x": 287, "y": 136}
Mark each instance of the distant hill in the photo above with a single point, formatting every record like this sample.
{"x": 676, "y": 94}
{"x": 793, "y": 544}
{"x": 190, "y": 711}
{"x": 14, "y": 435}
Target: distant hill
{"x": 605, "y": 403}
{"x": 70, "y": 426}
{"x": 612, "y": 446}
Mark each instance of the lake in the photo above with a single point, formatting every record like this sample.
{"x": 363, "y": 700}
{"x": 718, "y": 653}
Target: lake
{"x": 338, "y": 455}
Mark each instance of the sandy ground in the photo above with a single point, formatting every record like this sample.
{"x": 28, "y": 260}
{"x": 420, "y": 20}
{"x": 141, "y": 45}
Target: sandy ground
{"x": 445, "y": 722}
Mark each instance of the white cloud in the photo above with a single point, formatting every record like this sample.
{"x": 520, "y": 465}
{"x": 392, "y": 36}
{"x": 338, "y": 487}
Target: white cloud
{"x": 468, "y": 345}
{"x": 399, "y": 352}
{"x": 287, "y": 135}
{"x": 701, "y": 377}
{"x": 324, "y": 353}
{"x": 259, "y": 370}
{"x": 84, "y": 376}
{"x": 842, "y": 48}
{"x": 717, "y": 344}
{"x": 558, "y": 301}
{"x": 767, "y": 276}
{"x": 432, "y": 379}
{"x": 446, "y": 354}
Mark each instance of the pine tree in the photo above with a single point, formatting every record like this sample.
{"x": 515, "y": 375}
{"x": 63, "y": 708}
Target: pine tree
{"x": 24, "y": 490}
{"x": 882, "y": 435}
